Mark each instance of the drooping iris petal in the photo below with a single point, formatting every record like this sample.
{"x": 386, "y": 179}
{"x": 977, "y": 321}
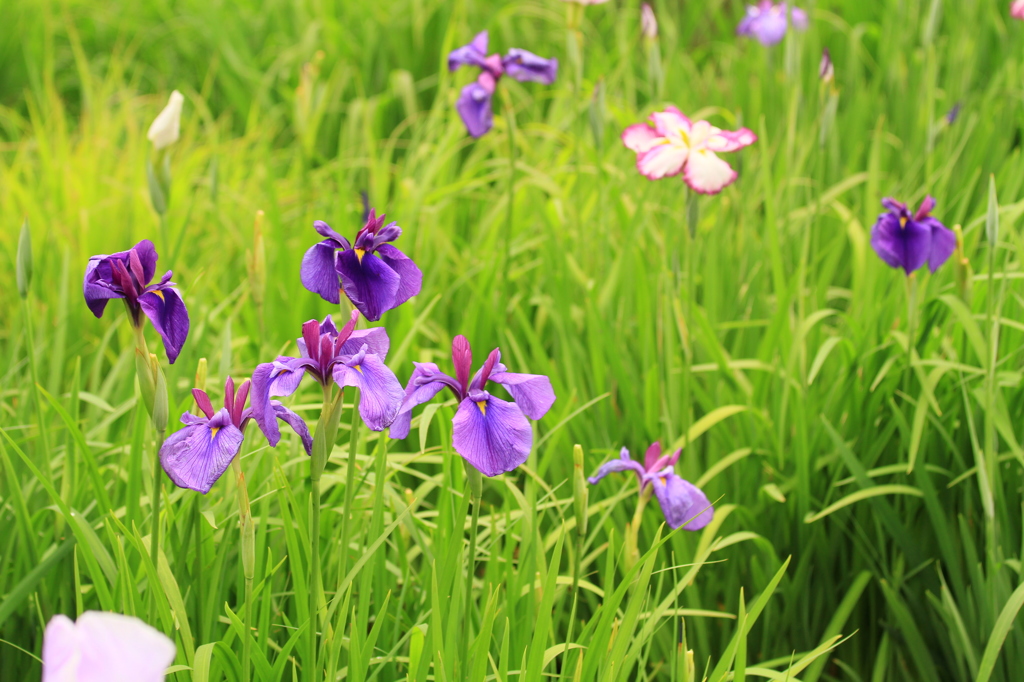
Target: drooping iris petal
{"x": 96, "y": 290}
{"x": 196, "y": 456}
{"x": 474, "y": 107}
{"x": 473, "y": 54}
{"x": 623, "y": 463}
{"x": 417, "y": 394}
{"x": 297, "y": 423}
{"x": 492, "y": 435}
{"x": 368, "y": 282}
{"x": 904, "y": 246}
{"x": 525, "y": 66}
{"x": 943, "y": 243}
{"x": 263, "y": 382}
{"x": 380, "y": 393}
{"x": 410, "y": 278}
{"x": 531, "y": 392}
{"x": 639, "y": 137}
{"x": 375, "y": 339}
{"x": 662, "y": 161}
{"x": 706, "y": 173}
{"x": 681, "y": 501}
{"x": 104, "y": 647}
{"x": 167, "y": 312}
{"x": 729, "y": 140}
{"x": 318, "y": 273}
{"x": 326, "y": 231}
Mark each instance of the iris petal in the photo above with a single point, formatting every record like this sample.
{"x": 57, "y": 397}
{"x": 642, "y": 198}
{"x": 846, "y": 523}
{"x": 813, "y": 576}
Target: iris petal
{"x": 681, "y": 501}
{"x": 196, "y": 456}
{"x": 368, "y": 282}
{"x": 380, "y": 394}
{"x": 104, "y": 647}
{"x": 493, "y": 436}
{"x": 318, "y": 272}
{"x": 532, "y": 392}
{"x": 167, "y": 312}
{"x": 416, "y": 394}
{"x": 410, "y": 277}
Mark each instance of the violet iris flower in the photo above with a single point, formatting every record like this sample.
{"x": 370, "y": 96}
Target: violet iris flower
{"x": 491, "y": 434}
{"x": 347, "y": 358}
{"x": 474, "y": 104}
{"x": 768, "y": 21}
{"x": 681, "y": 501}
{"x": 374, "y": 275}
{"x": 199, "y": 454}
{"x": 127, "y": 275}
{"x": 104, "y": 647}
{"x": 908, "y": 241}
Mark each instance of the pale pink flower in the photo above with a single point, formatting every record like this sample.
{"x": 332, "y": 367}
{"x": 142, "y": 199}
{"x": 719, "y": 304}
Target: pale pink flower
{"x": 676, "y": 145}
{"x": 104, "y": 647}
{"x": 1017, "y": 9}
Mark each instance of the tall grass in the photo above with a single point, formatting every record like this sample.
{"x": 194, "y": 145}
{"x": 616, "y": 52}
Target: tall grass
{"x": 857, "y": 493}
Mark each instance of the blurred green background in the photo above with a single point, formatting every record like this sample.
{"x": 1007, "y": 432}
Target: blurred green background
{"x": 801, "y": 389}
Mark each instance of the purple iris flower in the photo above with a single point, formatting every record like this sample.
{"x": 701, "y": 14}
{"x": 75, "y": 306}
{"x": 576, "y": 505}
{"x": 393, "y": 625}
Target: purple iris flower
{"x": 374, "y": 275}
{"x": 347, "y": 358}
{"x": 681, "y": 501}
{"x": 127, "y": 275}
{"x": 768, "y": 21}
{"x": 908, "y": 241}
{"x": 199, "y": 454}
{"x": 491, "y": 434}
{"x": 474, "y": 105}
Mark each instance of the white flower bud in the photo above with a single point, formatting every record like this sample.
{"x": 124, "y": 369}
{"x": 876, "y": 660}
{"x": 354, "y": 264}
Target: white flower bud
{"x": 166, "y": 129}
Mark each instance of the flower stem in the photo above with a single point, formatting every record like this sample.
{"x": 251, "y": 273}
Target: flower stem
{"x": 198, "y": 569}
{"x": 248, "y": 552}
{"x": 911, "y": 331}
{"x": 155, "y": 531}
{"x": 30, "y": 351}
{"x": 350, "y": 482}
{"x": 475, "y": 484}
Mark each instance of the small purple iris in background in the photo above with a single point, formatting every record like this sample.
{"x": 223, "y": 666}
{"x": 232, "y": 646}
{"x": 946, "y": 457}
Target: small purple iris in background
{"x": 491, "y": 434}
{"x": 127, "y": 275}
{"x": 104, "y": 647}
{"x": 474, "y": 105}
{"x": 908, "y": 241}
{"x": 347, "y": 358}
{"x": 680, "y": 500}
{"x": 767, "y": 21}
{"x": 199, "y": 454}
{"x": 375, "y": 275}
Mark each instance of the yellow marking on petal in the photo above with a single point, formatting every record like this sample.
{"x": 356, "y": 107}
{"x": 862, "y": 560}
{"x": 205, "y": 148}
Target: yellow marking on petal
{"x": 160, "y": 294}
{"x": 358, "y": 368}
{"x": 664, "y": 480}
{"x": 359, "y": 255}
{"x": 483, "y": 407}
{"x": 903, "y": 221}
{"x": 214, "y": 431}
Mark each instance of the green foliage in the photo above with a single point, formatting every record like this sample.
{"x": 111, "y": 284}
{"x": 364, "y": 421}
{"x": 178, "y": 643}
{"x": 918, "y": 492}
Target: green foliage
{"x": 886, "y": 464}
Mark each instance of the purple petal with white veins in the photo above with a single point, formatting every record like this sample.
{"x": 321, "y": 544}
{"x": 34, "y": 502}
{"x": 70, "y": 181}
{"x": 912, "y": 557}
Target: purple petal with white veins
{"x": 375, "y": 339}
{"x": 526, "y": 66}
{"x": 167, "y": 312}
{"x": 532, "y": 392}
{"x": 297, "y": 423}
{"x": 196, "y": 456}
{"x": 368, "y": 282}
{"x": 474, "y": 107}
{"x": 416, "y": 394}
{"x": 681, "y": 501}
{"x": 492, "y": 435}
{"x": 623, "y": 463}
{"x": 380, "y": 394}
{"x": 318, "y": 273}
{"x": 410, "y": 277}
{"x": 469, "y": 55}
{"x": 104, "y": 647}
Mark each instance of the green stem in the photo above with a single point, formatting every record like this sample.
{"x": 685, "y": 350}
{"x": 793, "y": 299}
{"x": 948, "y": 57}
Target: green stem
{"x": 350, "y": 483}
{"x": 248, "y": 552}
{"x": 911, "y": 330}
{"x": 689, "y": 300}
{"x": 154, "y": 548}
{"x": 322, "y": 445}
{"x": 198, "y": 570}
{"x": 471, "y": 566}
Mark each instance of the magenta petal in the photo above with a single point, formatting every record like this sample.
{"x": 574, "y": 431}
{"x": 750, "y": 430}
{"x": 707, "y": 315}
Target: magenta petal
{"x": 104, "y": 647}
{"x": 681, "y": 501}
{"x": 196, "y": 456}
{"x": 167, "y": 312}
{"x": 474, "y": 106}
{"x": 652, "y": 456}
{"x": 416, "y": 394}
{"x": 318, "y": 273}
{"x": 532, "y": 392}
{"x": 380, "y": 394}
{"x": 297, "y": 423}
{"x": 410, "y": 278}
{"x": 492, "y": 435}
{"x": 369, "y": 283}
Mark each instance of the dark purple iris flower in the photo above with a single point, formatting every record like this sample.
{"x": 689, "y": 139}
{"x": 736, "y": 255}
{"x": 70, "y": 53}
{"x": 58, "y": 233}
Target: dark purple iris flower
{"x": 127, "y": 275}
{"x": 491, "y": 434}
{"x": 680, "y": 500}
{"x": 347, "y": 358}
{"x": 474, "y": 105}
{"x": 908, "y": 241}
{"x": 199, "y": 454}
{"x": 374, "y": 275}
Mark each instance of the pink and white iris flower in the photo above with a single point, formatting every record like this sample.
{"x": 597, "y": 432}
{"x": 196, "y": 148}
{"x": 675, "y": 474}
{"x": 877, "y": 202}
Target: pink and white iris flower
{"x": 677, "y": 145}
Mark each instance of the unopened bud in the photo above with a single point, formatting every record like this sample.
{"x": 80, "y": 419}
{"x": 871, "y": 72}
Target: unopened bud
{"x": 24, "y": 264}
{"x": 826, "y": 70}
{"x": 580, "y": 490}
{"x": 476, "y": 483}
{"x": 962, "y": 267}
{"x": 147, "y": 379}
{"x": 200, "y": 382}
{"x": 992, "y": 218}
{"x": 161, "y": 410}
{"x": 648, "y": 22}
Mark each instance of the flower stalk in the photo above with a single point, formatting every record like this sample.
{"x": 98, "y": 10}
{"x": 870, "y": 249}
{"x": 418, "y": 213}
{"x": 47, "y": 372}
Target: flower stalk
{"x": 248, "y": 552}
